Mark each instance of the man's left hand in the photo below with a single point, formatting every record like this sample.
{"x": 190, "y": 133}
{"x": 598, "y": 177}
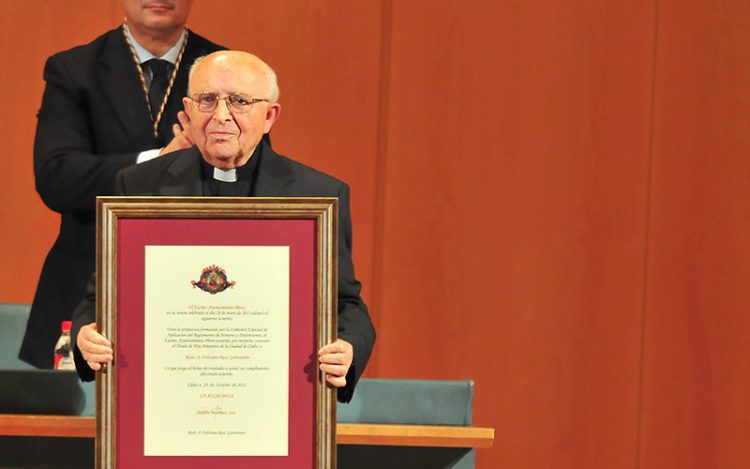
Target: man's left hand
{"x": 335, "y": 360}
{"x": 181, "y": 133}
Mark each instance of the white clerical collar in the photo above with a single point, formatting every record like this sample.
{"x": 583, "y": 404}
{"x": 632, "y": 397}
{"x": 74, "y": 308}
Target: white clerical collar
{"x": 229, "y": 175}
{"x": 144, "y": 55}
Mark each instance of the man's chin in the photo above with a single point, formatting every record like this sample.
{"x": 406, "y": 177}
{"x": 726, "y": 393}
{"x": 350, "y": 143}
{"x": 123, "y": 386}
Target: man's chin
{"x": 225, "y": 165}
{"x": 224, "y": 162}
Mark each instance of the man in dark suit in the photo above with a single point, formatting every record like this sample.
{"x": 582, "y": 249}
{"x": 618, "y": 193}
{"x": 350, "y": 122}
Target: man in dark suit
{"x": 232, "y": 103}
{"x": 107, "y": 105}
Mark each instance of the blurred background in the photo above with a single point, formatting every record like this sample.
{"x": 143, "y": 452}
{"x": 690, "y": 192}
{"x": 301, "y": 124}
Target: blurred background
{"x": 550, "y": 197}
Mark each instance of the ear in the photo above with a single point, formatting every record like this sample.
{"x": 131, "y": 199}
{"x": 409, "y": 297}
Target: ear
{"x": 272, "y": 115}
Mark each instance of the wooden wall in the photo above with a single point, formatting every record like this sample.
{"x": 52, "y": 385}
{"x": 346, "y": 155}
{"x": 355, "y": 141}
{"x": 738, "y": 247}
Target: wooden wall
{"x": 549, "y": 197}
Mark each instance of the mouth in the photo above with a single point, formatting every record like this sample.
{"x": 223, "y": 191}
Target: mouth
{"x": 159, "y": 6}
{"x": 219, "y": 135}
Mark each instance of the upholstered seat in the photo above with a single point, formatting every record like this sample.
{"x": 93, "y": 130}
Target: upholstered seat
{"x": 13, "y": 318}
{"x": 407, "y": 402}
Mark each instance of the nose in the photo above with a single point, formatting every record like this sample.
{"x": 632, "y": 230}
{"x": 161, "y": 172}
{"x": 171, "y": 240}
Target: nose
{"x": 222, "y": 113}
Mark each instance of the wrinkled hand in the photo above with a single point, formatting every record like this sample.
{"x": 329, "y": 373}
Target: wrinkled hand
{"x": 95, "y": 348}
{"x": 335, "y": 360}
{"x": 181, "y": 133}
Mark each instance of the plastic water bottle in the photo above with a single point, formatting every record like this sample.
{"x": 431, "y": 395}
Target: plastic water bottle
{"x": 63, "y": 350}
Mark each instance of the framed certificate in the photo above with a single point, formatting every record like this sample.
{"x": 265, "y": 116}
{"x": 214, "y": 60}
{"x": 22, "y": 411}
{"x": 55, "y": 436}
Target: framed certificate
{"x": 216, "y": 308}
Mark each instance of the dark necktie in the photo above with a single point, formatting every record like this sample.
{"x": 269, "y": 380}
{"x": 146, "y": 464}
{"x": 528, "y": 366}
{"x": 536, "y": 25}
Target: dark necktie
{"x": 159, "y": 71}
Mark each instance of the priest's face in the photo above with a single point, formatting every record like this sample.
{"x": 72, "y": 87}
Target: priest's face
{"x": 230, "y": 105}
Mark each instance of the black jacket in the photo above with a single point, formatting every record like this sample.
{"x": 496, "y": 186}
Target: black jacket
{"x": 179, "y": 174}
{"x": 93, "y": 122}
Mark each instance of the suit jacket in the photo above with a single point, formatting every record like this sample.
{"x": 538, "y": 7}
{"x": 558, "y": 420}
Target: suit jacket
{"x": 93, "y": 122}
{"x": 179, "y": 174}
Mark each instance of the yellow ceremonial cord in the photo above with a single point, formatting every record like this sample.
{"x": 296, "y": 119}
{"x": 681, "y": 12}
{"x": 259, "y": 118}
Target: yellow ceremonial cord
{"x": 156, "y": 120}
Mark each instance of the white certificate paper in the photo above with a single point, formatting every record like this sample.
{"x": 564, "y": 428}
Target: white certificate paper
{"x": 216, "y": 358}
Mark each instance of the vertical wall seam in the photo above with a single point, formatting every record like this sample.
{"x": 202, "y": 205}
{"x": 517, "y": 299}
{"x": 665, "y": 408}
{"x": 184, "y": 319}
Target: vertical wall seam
{"x": 647, "y": 237}
{"x": 381, "y": 164}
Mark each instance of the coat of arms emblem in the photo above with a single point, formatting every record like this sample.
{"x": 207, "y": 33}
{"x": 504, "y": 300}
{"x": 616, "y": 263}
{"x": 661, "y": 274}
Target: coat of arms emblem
{"x": 213, "y": 280}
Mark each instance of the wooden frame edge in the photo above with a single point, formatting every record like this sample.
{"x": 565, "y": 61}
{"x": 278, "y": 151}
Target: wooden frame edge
{"x": 323, "y": 210}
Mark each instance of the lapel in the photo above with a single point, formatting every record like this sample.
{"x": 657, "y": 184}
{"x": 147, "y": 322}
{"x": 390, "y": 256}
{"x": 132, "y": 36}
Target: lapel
{"x": 120, "y": 83}
{"x": 183, "y": 176}
{"x": 275, "y": 176}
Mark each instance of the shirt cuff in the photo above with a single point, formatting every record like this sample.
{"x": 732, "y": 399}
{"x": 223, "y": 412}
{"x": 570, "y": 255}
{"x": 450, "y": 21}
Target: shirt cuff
{"x": 147, "y": 155}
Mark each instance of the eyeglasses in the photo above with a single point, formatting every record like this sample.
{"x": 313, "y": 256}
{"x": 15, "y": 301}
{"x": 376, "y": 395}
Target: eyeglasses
{"x": 236, "y": 102}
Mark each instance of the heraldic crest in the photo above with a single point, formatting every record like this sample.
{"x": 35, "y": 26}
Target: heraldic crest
{"x": 213, "y": 280}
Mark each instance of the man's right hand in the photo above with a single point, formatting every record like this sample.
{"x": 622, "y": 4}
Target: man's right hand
{"x": 95, "y": 348}
{"x": 181, "y": 132}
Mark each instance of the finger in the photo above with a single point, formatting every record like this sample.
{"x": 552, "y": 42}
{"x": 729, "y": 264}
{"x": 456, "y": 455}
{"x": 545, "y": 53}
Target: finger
{"x": 97, "y": 358}
{"x": 333, "y": 358}
{"x": 96, "y": 346}
{"x": 184, "y": 119}
{"x": 335, "y": 381}
{"x": 94, "y": 349}
{"x": 181, "y": 138}
{"x": 335, "y": 347}
{"x": 334, "y": 370}
{"x": 90, "y": 334}
{"x": 94, "y": 340}
{"x": 94, "y": 365}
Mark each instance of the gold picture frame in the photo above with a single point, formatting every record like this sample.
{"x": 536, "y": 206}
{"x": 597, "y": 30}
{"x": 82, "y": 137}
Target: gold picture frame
{"x": 117, "y": 220}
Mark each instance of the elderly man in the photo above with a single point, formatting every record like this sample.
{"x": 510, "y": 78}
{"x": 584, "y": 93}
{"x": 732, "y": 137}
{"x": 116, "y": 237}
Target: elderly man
{"x": 107, "y": 105}
{"x": 232, "y": 102}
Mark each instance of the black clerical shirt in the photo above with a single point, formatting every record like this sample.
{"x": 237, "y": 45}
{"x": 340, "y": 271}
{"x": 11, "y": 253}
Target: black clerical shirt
{"x": 244, "y": 186}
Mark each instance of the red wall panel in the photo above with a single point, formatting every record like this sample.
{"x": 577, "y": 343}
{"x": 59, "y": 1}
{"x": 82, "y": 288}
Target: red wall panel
{"x": 514, "y": 216}
{"x": 697, "y": 331}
